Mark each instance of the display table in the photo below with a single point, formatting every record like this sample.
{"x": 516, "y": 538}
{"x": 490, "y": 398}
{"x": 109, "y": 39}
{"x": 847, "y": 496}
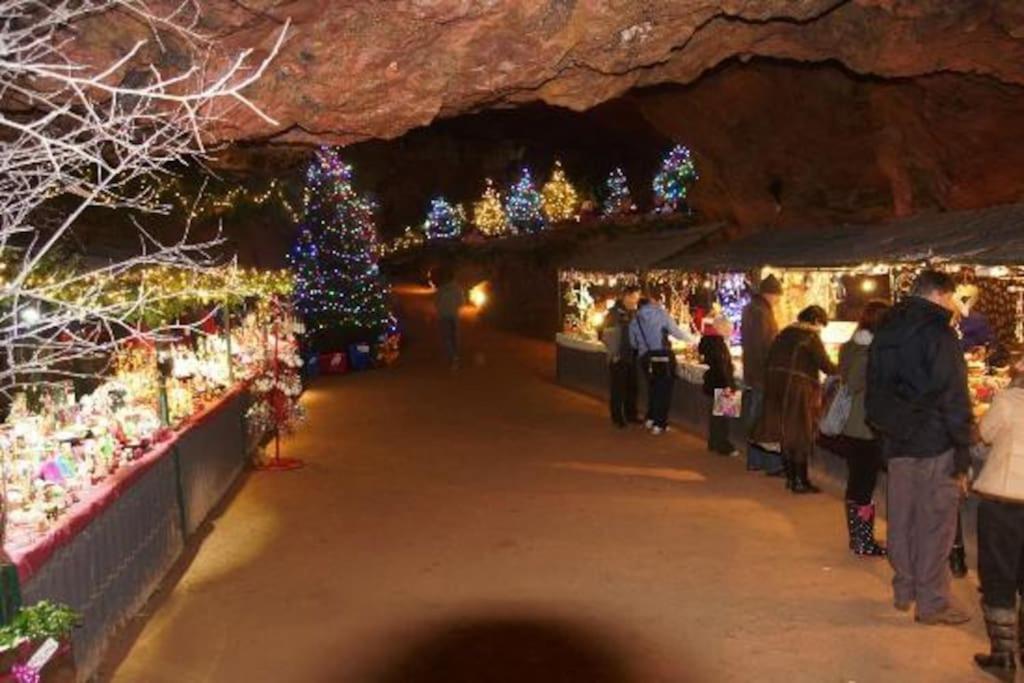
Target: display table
{"x": 111, "y": 550}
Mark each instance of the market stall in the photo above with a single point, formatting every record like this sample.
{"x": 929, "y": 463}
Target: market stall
{"x": 590, "y": 280}
{"x": 102, "y": 489}
{"x": 842, "y": 267}
{"x": 837, "y": 267}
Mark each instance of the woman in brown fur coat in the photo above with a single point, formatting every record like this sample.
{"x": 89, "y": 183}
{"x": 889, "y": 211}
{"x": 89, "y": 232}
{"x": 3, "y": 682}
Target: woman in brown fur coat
{"x": 793, "y": 394}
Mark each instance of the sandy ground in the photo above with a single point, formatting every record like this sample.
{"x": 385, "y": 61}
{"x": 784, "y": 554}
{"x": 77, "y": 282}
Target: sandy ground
{"x": 485, "y": 525}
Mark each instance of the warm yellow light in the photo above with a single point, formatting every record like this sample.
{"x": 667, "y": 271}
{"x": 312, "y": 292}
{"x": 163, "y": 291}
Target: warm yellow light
{"x": 478, "y": 295}
{"x": 597, "y": 319}
{"x": 559, "y": 197}
{"x": 868, "y": 286}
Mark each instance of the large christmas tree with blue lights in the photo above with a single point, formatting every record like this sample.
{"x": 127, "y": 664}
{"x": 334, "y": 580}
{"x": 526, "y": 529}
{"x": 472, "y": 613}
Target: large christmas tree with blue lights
{"x": 339, "y": 289}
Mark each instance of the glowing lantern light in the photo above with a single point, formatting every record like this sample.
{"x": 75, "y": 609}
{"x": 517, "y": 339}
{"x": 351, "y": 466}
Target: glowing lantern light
{"x": 478, "y": 295}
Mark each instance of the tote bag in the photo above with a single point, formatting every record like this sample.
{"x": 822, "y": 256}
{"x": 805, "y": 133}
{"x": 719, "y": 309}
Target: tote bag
{"x": 837, "y": 411}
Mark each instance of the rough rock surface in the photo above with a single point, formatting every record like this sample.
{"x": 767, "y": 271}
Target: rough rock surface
{"x": 797, "y": 110}
{"x": 356, "y": 69}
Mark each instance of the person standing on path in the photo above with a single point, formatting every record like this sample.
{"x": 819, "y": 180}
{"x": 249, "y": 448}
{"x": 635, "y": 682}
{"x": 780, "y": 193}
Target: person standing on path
{"x": 859, "y": 444}
{"x": 759, "y": 329}
{"x": 622, "y": 380}
{"x": 649, "y": 333}
{"x": 917, "y": 399}
{"x": 448, "y": 299}
{"x": 714, "y": 352}
{"x": 792, "y": 398}
{"x": 1001, "y": 529}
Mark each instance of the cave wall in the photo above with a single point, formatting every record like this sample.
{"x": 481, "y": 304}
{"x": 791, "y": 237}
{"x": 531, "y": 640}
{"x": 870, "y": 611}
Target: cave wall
{"x": 356, "y": 69}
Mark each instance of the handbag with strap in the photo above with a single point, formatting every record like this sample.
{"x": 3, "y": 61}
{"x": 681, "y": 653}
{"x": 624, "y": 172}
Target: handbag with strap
{"x": 657, "y": 362}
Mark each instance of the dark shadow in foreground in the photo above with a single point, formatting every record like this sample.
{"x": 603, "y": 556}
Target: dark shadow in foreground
{"x": 507, "y": 650}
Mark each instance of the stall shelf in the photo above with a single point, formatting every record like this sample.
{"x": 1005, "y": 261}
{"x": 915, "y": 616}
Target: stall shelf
{"x": 111, "y": 550}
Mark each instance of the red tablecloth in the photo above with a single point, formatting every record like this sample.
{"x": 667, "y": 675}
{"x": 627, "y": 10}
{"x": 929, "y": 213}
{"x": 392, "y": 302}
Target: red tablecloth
{"x": 93, "y": 501}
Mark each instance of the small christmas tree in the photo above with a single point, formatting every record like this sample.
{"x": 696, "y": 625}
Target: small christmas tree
{"x": 617, "y": 200}
{"x": 673, "y": 181}
{"x": 559, "y": 197}
{"x": 339, "y": 289}
{"x": 444, "y": 221}
{"x": 523, "y": 207}
{"x": 488, "y": 213}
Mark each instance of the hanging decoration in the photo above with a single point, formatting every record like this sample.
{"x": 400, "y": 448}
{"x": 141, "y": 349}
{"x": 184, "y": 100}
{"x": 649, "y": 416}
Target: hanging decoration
{"x": 523, "y": 206}
{"x": 489, "y": 214}
{"x": 410, "y": 238}
{"x": 444, "y": 221}
{"x": 617, "y": 200}
{"x": 210, "y": 203}
{"x": 734, "y": 292}
{"x": 673, "y": 181}
{"x": 339, "y": 288}
{"x": 275, "y": 407}
{"x": 559, "y": 197}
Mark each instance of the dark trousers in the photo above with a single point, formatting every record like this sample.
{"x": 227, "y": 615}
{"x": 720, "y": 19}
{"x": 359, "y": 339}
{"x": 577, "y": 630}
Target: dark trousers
{"x": 922, "y": 503}
{"x": 718, "y": 434}
{"x": 450, "y": 337}
{"x": 622, "y": 385}
{"x": 1001, "y": 552}
{"x": 863, "y": 462}
{"x": 659, "y": 395}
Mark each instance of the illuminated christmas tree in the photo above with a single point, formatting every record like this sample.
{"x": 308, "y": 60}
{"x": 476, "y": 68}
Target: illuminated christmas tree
{"x": 444, "y": 221}
{"x": 488, "y": 213}
{"x": 559, "y": 197}
{"x": 617, "y": 200}
{"x": 673, "y": 181}
{"x": 339, "y": 289}
{"x": 523, "y": 207}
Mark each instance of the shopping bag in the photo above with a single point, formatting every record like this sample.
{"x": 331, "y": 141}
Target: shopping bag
{"x": 839, "y": 404}
{"x": 728, "y": 403}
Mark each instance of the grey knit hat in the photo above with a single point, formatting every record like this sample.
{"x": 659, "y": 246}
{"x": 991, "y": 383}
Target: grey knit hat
{"x": 770, "y": 285}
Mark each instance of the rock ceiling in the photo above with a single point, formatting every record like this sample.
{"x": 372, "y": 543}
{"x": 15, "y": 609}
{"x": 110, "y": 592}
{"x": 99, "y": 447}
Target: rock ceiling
{"x": 796, "y": 109}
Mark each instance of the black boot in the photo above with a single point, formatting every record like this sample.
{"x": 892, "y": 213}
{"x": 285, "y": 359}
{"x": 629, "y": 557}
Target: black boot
{"x": 958, "y": 557}
{"x": 864, "y": 543}
{"x": 790, "y": 472}
{"x": 958, "y": 561}
{"x": 801, "y": 482}
{"x": 1001, "y": 625}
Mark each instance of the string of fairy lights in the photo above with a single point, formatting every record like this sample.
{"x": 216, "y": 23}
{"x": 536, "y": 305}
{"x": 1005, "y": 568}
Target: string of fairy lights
{"x": 166, "y": 189}
{"x": 164, "y": 291}
{"x": 522, "y": 210}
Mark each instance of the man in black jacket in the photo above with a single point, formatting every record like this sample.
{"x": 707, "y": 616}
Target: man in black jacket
{"x": 917, "y": 399}
{"x": 622, "y": 363}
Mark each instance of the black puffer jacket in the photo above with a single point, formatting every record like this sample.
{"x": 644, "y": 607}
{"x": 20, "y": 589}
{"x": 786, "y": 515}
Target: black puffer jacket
{"x": 917, "y": 396}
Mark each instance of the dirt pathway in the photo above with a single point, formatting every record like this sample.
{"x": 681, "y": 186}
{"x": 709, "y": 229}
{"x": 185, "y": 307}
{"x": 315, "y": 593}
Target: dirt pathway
{"x": 486, "y": 525}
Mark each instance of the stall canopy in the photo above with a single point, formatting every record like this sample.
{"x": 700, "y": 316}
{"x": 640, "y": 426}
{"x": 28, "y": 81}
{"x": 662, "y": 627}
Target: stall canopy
{"x": 636, "y": 251}
{"x": 992, "y": 236}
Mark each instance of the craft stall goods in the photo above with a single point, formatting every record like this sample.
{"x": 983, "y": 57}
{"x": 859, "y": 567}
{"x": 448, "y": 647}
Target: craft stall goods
{"x": 55, "y": 448}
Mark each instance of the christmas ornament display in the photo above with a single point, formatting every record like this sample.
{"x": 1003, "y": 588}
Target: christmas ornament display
{"x": 674, "y": 179}
{"x": 489, "y": 214}
{"x": 339, "y": 287}
{"x": 523, "y": 206}
{"x": 559, "y": 197}
{"x": 444, "y": 221}
{"x": 617, "y": 200}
